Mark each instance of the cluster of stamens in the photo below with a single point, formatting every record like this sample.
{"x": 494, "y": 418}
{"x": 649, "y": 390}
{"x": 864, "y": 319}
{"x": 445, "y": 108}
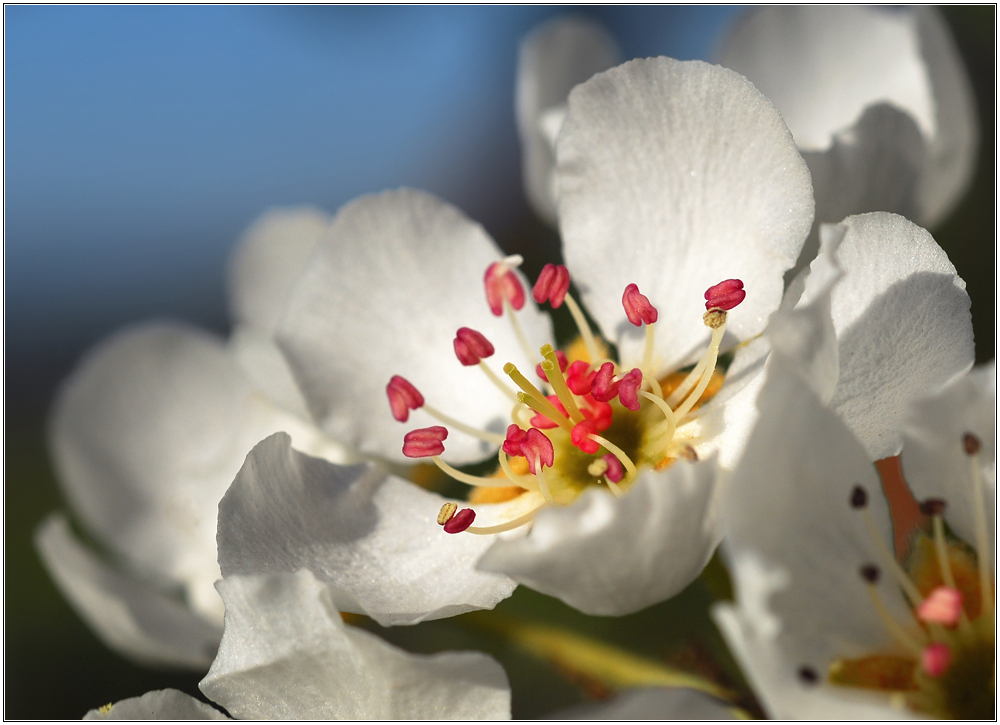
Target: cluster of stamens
{"x": 949, "y": 646}
{"x": 577, "y": 401}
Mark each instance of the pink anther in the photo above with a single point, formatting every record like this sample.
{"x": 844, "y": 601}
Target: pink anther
{"x": 580, "y": 436}
{"x": 501, "y": 283}
{"x": 560, "y": 358}
{"x": 471, "y": 346}
{"x": 725, "y": 295}
{"x": 537, "y": 448}
{"x": 552, "y": 285}
{"x": 628, "y": 389}
{"x": 425, "y": 442}
{"x": 936, "y": 658}
{"x": 637, "y": 306}
{"x": 604, "y": 387}
{"x": 460, "y": 521}
{"x": 615, "y": 471}
{"x": 598, "y": 413}
{"x": 515, "y": 437}
{"x": 942, "y": 606}
{"x": 543, "y": 421}
{"x": 403, "y": 398}
{"x": 579, "y": 377}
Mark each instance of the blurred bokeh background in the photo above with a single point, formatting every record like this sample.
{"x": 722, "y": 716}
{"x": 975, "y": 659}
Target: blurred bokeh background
{"x": 140, "y": 142}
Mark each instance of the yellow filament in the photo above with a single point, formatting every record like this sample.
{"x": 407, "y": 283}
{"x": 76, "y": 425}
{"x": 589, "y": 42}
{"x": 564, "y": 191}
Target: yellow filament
{"x": 912, "y": 593}
{"x": 692, "y": 377}
{"x": 982, "y": 544}
{"x": 613, "y": 487}
{"x": 670, "y": 421}
{"x": 500, "y": 528}
{"x": 534, "y": 395}
{"x": 471, "y": 480}
{"x": 944, "y": 563}
{"x": 558, "y": 383}
{"x": 497, "y": 381}
{"x": 584, "y": 328}
{"x": 543, "y": 486}
{"x": 617, "y": 453}
{"x": 897, "y": 632}
{"x": 518, "y": 331}
{"x": 710, "y": 358}
{"x": 492, "y": 438}
{"x": 527, "y": 482}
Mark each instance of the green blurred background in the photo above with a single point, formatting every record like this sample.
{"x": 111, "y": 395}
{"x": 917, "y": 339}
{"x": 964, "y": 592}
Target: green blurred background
{"x": 55, "y": 668}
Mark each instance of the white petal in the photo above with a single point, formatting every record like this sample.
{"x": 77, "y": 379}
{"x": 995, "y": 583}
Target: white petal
{"x": 934, "y": 461}
{"x": 286, "y": 654}
{"x": 903, "y": 325}
{"x": 268, "y": 259}
{"x": 128, "y": 615}
{"x": 554, "y": 57}
{"x": 371, "y": 536}
{"x": 148, "y": 434}
{"x": 158, "y": 705}
{"x": 676, "y": 176}
{"x": 265, "y": 365}
{"x": 611, "y": 556}
{"x": 397, "y": 274}
{"x": 652, "y": 703}
{"x": 825, "y": 67}
{"x": 797, "y": 545}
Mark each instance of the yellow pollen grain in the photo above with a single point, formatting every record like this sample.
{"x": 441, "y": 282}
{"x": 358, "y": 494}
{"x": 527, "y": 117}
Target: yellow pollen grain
{"x": 446, "y": 512}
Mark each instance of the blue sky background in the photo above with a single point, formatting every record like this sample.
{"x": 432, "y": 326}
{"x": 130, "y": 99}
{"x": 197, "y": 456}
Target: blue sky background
{"x": 140, "y": 141}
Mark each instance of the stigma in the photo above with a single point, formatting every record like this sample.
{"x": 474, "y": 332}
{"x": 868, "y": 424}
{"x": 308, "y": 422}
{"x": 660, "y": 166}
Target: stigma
{"x": 580, "y": 419}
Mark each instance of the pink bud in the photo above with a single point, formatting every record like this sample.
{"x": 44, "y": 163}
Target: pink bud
{"x": 471, "y": 346}
{"x": 725, "y": 295}
{"x": 552, "y": 285}
{"x": 637, "y": 306}
{"x": 537, "y": 448}
{"x": 580, "y": 437}
{"x": 935, "y": 659}
{"x": 628, "y": 389}
{"x": 615, "y": 472}
{"x": 604, "y": 387}
{"x": 501, "y": 283}
{"x": 942, "y": 606}
{"x": 579, "y": 378}
{"x": 403, "y": 398}
{"x": 560, "y": 358}
{"x": 425, "y": 442}
{"x": 460, "y": 521}
{"x": 515, "y": 437}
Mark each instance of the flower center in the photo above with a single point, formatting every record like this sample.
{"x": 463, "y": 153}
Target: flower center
{"x": 944, "y": 666}
{"x": 582, "y": 419}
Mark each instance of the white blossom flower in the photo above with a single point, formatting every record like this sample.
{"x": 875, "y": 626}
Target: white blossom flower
{"x": 674, "y": 176}
{"x": 826, "y": 623}
{"x": 146, "y": 436}
{"x": 287, "y": 655}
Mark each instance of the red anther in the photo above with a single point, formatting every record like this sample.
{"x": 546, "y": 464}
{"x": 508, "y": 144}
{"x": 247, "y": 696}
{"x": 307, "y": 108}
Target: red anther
{"x": 942, "y": 606}
{"x": 598, "y": 413}
{"x": 501, "y": 283}
{"x": 725, "y": 295}
{"x": 460, "y": 521}
{"x": 543, "y": 421}
{"x": 935, "y": 659}
{"x": 425, "y": 442}
{"x": 637, "y": 306}
{"x": 552, "y": 285}
{"x": 580, "y": 437}
{"x": 537, "y": 448}
{"x": 615, "y": 472}
{"x": 403, "y": 398}
{"x": 471, "y": 346}
{"x": 515, "y": 437}
{"x": 604, "y": 387}
{"x": 563, "y": 362}
{"x": 579, "y": 378}
{"x": 628, "y": 389}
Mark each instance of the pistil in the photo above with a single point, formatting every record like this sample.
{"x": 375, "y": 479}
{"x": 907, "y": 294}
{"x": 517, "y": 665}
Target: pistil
{"x": 533, "y": 398}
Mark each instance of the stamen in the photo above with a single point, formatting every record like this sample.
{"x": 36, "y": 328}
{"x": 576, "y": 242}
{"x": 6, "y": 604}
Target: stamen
{"x": 941, "y": 546}
{"x": 403, "y": 397}
{"x": 598, "y": 467}
{"x": 585, "y": 333}
{"x": 479, "y": 481}
{"x": 725, "y": 295}
{"x": 604, "y": 387}
{"x": 502, "y": 285}
{"x": 808, "y": 675}
{"x": 870, "y": 574}
{"x": 493, "y": 439}
{"x": 628, "y": 389}
{"x": 526, "y": 482}
{"x": 534, "y": 398}
{"x": 537, "y": 448}
{"x": 522, "y": 340}
{"x": 859, "y": 500}
{"x": 558, "y": 382}
{"x": 647, "y": 354}
{"x": 617, "y": 452}
{"x": 942, "y": 606}
{"x": 460, "y": 522}
{"x": 446, "y": 512}
{"x": 935, "y": 659}
{"x": 425, "y": 442}
{"x": 563, "y": 363}
{"x": 506, "y": 526}
{"x": 637, "y": 306}
{"x": 583, "y": 437}
{"x": 471, "y": 346}
{"x": 613, "y": 471}
{"x": 711, "y": 357}
{"x": 971, "y": 444}
{"x": 552, "y": 285}
{"x": 540, "y": 421}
